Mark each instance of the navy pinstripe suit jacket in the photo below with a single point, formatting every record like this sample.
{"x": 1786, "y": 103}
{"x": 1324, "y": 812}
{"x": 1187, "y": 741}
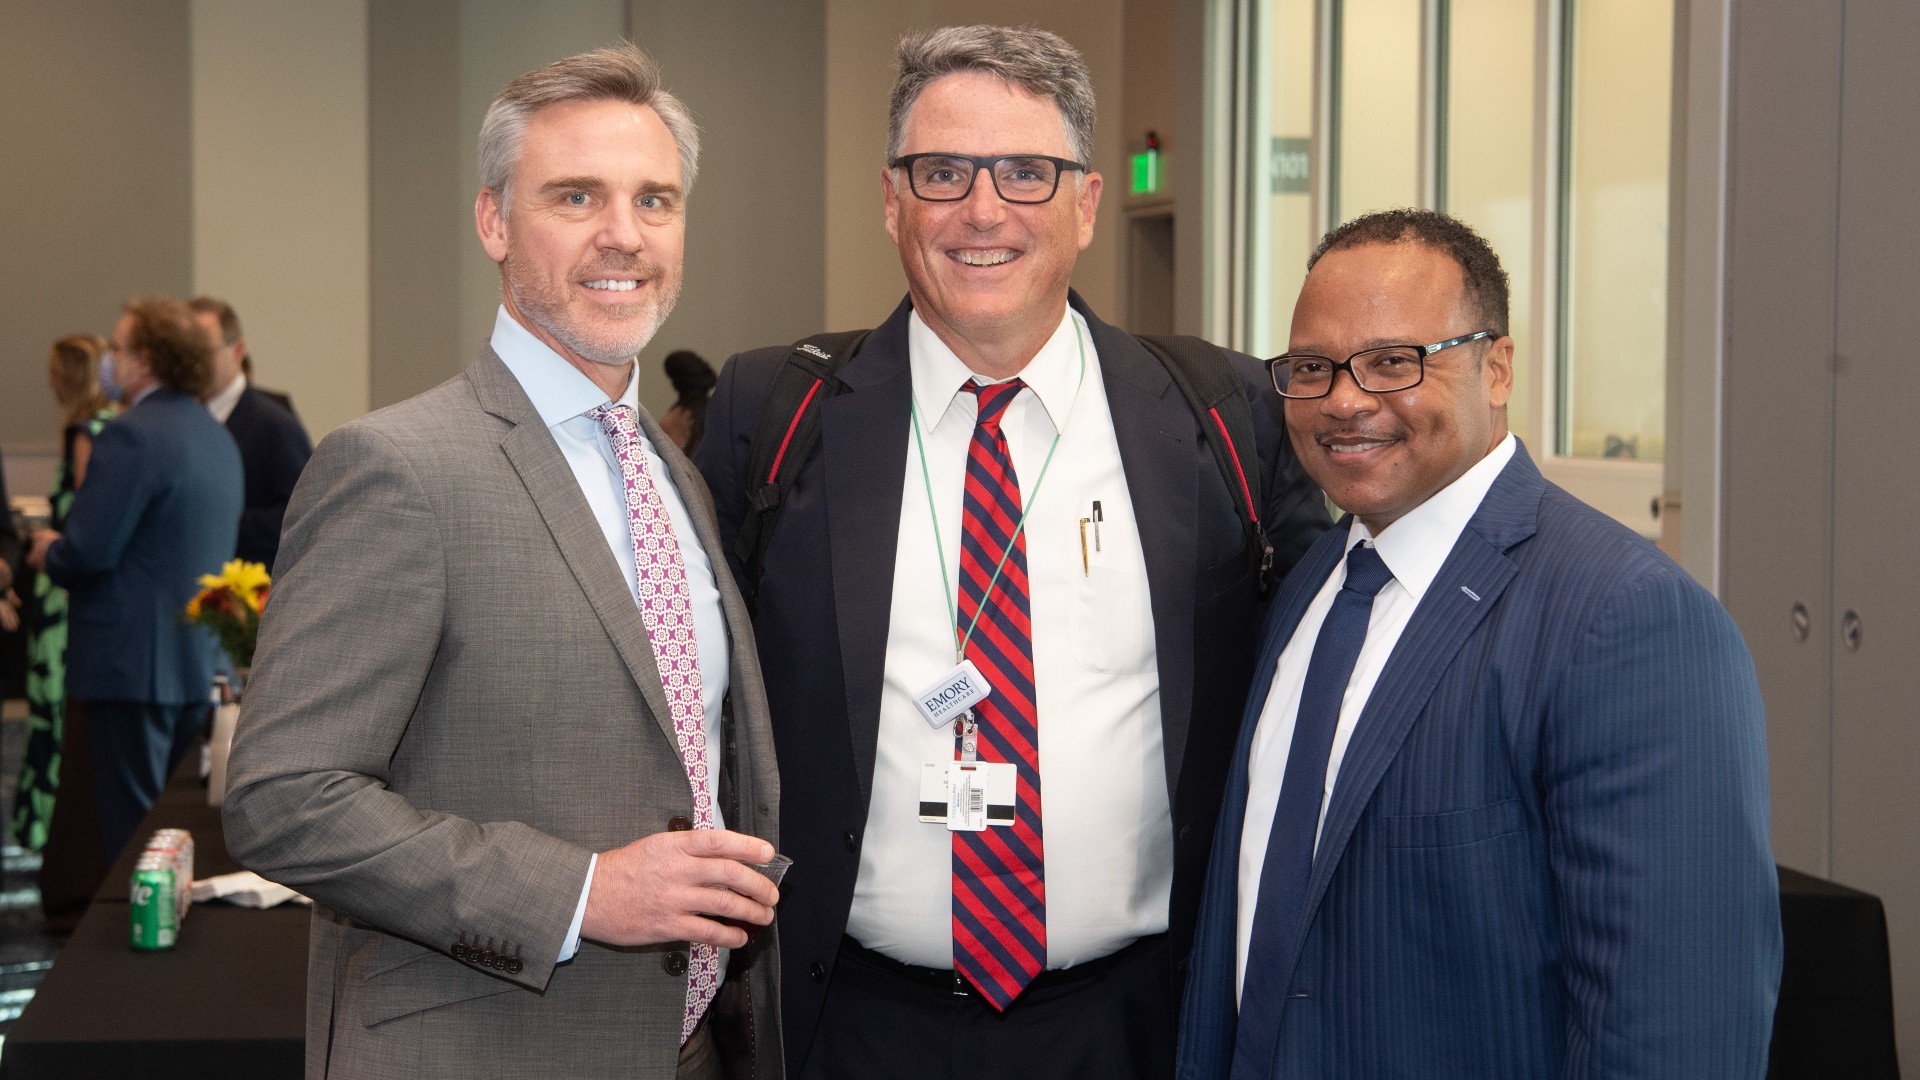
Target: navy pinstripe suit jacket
{"x": 1546, "y": 853}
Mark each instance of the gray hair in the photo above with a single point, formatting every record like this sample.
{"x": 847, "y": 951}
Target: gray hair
{"x": 618, "y": 73}
{"x": 1037, "y": 61}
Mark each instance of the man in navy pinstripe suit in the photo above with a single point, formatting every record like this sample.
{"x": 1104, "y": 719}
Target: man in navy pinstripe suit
{"x": 1499, "y": 808}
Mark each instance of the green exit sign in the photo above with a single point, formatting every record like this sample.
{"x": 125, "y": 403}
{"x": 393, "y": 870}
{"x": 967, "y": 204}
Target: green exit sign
{"x": 1146, "y": 172}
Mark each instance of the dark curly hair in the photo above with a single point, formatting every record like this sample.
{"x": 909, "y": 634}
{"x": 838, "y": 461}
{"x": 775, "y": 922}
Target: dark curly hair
{"x": 1486, "y": 282}
{"x": 177, "y": 349}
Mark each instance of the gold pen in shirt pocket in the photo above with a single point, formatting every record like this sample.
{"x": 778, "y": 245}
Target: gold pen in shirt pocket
{"x": 1086, "y": 570}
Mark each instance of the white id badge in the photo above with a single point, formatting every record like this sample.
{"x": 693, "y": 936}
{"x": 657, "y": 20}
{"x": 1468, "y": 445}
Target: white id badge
{"x": 968, "y": 796}
{"x": 956, "y": 692}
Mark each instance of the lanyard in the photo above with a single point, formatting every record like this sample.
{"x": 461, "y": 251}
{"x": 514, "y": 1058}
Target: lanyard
{"x": 939, "y": 548}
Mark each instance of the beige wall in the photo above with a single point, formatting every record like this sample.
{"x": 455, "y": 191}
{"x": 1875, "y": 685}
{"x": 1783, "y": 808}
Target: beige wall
{"x": 95, "y": 193}
{"x": 751, "y": 74}
{"x": 280, "y": 224}
{"x": 418, "y": 191}
{"x": 863, "y": 270}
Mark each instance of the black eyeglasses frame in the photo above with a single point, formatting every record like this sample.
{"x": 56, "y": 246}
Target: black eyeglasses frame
{"x": 984, "y": 163}
{"x": 1274, "y": 365}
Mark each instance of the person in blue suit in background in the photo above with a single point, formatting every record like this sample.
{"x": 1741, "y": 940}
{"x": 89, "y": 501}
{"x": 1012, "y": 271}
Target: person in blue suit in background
{"x": 161, "y": 507}
{"x": 1499, "y": 804}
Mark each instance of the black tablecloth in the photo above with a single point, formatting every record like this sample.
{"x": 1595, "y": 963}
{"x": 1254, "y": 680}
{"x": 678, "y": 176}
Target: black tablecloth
{"x": 228, "y": 1000}
{"x": 1835, "y": 1017}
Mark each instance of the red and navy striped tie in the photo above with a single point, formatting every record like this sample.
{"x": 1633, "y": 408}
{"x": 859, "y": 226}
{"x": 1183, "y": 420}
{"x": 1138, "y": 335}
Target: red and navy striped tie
{"x": 999, "y": 886}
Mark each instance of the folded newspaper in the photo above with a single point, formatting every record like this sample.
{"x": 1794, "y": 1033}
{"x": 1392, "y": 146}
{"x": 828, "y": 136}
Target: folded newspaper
{"x": 247, "y": 889}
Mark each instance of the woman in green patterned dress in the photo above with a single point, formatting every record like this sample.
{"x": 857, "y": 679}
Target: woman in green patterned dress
{"x": 74, "y": 371}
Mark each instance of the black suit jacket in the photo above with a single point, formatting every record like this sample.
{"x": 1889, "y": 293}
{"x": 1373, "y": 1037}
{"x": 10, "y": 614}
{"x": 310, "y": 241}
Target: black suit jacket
{"x": 11, "y": 542}
{"x": 826, "y": 590}
{"x": 273, "y": 450}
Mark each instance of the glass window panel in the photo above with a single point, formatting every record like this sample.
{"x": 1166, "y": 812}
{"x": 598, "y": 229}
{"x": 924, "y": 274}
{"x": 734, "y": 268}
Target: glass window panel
{"x": 1292, "y": 230}
{"x": 1490, "y": 160}
{"x": 1377, "y": 100}
{"x": 1614, "y": 254}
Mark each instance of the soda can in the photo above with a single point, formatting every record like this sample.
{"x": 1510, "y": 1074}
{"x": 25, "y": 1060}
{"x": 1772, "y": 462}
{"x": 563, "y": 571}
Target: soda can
{"x": 177, "y": 843}
{"x": 153, "y": 904}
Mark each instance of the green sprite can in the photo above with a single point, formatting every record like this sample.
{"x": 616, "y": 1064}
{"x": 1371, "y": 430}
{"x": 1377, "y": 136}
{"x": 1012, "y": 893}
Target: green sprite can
{"x": 155, "y": 914}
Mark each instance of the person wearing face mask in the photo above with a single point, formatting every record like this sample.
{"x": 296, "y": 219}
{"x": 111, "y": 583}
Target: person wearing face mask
{"x": 74, "y": 368}
{"x": 160, "y": 507}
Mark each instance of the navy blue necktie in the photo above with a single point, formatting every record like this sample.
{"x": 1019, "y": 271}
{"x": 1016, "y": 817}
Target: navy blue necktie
{"x": 1296, "y": 820}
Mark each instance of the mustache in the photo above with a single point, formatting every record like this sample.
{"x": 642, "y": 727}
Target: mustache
{"x": 615, "y": 263}
{"x": 1361, "y": 434}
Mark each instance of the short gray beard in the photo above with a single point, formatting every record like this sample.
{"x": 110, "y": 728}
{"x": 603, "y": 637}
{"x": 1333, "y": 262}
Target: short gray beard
{"x": 531, "y": 299}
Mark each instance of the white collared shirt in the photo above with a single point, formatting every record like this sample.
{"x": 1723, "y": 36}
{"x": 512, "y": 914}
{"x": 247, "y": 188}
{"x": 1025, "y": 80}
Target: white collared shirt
{"x": 1413, "y": 548}
{"x": 562, "y": 395}
{"x": 1106, "y": 827}
{"x": 221, "y": 404}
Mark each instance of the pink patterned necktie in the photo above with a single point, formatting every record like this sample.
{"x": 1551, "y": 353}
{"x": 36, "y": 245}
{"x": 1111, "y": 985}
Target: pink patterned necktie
{"x": 666, "y": 606}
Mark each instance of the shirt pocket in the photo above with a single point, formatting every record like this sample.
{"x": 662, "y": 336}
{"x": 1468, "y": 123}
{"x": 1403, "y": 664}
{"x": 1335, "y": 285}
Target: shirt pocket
{"x": 1113, "y": 618}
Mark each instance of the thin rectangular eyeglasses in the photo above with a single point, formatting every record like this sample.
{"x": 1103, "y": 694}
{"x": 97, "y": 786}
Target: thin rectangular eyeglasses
{"x": 1017, "y": 178}
{"x": 1385, "y": 370}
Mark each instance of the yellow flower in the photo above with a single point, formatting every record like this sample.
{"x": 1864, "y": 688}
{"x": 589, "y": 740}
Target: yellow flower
{"x": 193, "y": 605}
{"x": 245, "y": 578}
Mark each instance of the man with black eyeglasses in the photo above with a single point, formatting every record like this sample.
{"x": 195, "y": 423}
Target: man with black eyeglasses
{"x": 1499, "y": 804}
{"x": 1006, "y": 611}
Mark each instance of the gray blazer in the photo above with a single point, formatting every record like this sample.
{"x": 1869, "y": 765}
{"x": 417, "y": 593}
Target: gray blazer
{"x": 453, "y": 704}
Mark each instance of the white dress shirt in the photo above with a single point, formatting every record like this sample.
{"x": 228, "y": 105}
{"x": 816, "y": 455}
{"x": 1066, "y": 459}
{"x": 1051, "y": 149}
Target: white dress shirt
{"x": 1414, "y": 548}
{"x": 562, "y": 395}
{"x": 1107, "y": 832}
{"x": 221, "y": 404}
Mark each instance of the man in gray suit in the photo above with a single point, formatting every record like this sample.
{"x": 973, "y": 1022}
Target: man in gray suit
{"x": 498, "y": 652}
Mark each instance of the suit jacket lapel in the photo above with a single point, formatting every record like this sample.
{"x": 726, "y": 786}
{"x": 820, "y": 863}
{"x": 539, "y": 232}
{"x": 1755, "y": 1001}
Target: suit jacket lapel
{"x": 1209, "y": 1011}
{"x": 549, "y": 481}
{"x": 1446, "y": 617}
{"x": 1150, "y": 422}
{"x": 863, "y": 438}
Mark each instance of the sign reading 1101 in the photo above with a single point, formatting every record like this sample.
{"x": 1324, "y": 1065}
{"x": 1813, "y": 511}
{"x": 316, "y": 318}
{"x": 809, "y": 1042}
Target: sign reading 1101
{"x": 1290, "y": 161}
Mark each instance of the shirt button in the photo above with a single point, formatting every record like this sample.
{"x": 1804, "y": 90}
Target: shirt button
{"x": 848, "y": 839}
{"x": 678, "y": 824}
{"x": 818, "y": 971}
{"x": 676, "y": 964}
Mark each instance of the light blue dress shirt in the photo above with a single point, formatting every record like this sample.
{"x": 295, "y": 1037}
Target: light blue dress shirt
{"x": 562, "y": 395}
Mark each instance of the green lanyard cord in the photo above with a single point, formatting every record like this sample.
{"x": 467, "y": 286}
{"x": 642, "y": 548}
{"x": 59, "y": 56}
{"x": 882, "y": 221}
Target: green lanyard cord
{"x": 939, "y": 549}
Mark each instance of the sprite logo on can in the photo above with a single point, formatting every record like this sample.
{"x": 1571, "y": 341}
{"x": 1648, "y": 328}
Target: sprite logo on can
{"x": 155, "y": 918}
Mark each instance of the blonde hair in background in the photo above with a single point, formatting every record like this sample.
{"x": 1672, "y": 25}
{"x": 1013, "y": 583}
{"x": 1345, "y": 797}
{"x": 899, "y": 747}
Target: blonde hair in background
{"x": 73, "y": 369}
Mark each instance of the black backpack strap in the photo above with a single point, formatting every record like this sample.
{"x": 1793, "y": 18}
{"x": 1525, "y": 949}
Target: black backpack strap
{"x": 789, "y": 428}
{"x": 1215, "y": 393}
